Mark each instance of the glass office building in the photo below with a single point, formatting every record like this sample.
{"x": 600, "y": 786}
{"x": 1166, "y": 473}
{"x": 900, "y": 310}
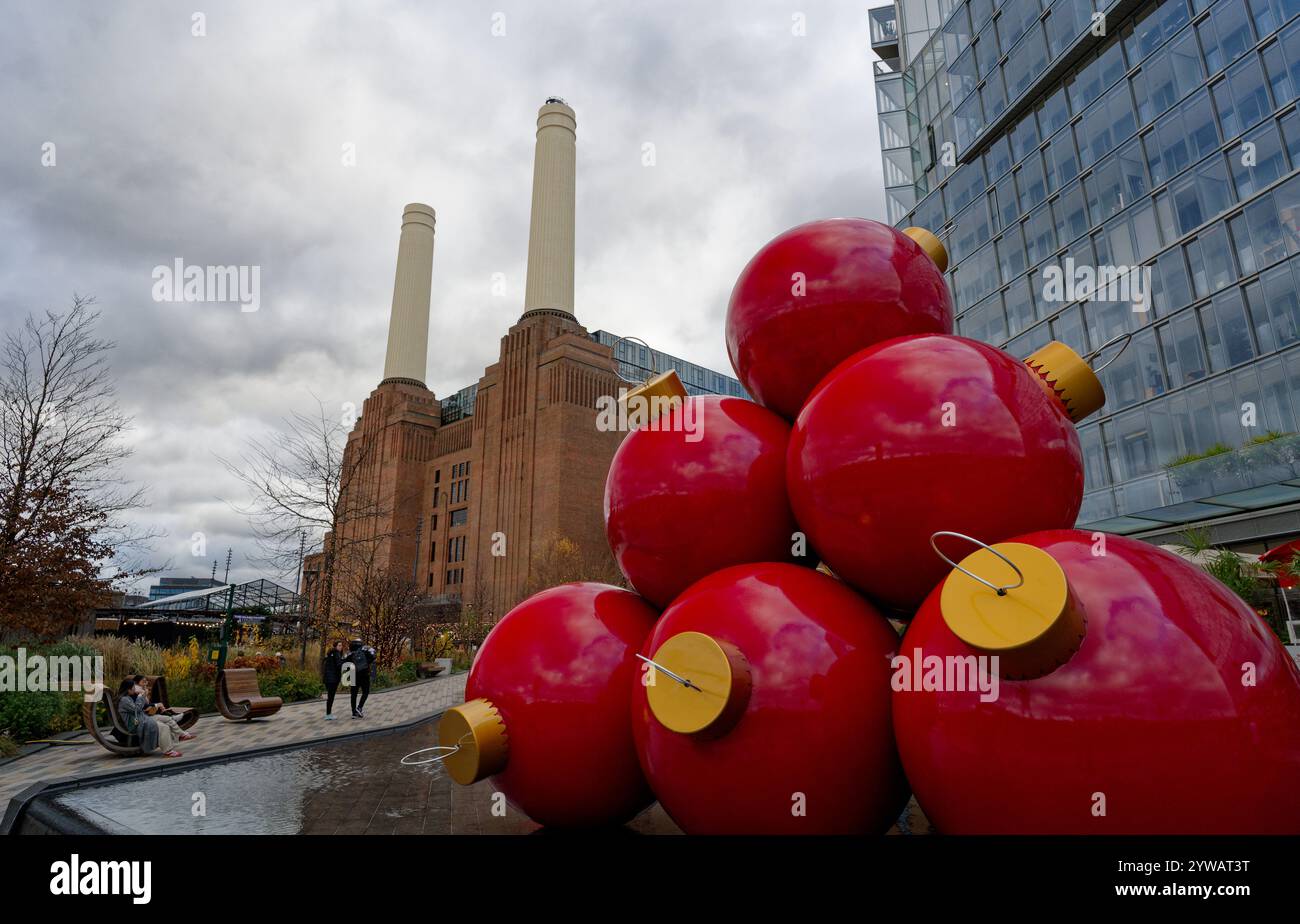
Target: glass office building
{"x": 1158, "y": 141}
{"x": 638, "y": 362}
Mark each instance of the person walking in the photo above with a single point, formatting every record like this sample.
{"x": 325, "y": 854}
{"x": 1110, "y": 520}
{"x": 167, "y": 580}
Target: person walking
{"x": 332, "y": 674}
{"x": 360, "y": 657}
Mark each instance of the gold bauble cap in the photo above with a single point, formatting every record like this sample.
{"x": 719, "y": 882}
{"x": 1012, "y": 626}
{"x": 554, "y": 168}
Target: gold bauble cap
{"x": 666, "y": 386}
{"x": 1033, "y": 627}
{"x": 1068, "y": 379}
{"x": 931, "y": 245}
{"x": 719, "y": 683}
{"x": 478, "y": 733}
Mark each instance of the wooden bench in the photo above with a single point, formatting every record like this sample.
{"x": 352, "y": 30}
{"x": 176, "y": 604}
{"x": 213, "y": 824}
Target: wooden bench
{"x": 238, "y": 696}
{"x": 114, "y": 737}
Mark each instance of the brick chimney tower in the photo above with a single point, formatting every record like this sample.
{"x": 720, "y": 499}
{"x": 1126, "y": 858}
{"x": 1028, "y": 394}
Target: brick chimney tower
{"x": 408, "y": 325}
{"x": 549, "y": 286}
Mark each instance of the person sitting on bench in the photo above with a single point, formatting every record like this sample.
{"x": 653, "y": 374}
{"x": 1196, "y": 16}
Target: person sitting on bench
{"x": 160, "y": 712}
{"x": 131, "y": 706}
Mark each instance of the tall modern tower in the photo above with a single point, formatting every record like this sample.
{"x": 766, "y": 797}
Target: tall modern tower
{"x": 550, "y": 230}
{"x": 1155, "y": 137}
{"x": 408, "y": 322}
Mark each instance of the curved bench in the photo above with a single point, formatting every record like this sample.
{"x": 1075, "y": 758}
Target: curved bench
{"x": 238, "y": 696}
{"x": 115, "y": 738}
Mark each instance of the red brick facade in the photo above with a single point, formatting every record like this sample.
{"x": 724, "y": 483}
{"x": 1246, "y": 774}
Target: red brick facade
{"x": 527, "y": 468}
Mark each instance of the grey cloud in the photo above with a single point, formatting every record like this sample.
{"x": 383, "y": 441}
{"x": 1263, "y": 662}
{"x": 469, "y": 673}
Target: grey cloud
{"x": 226, "y": 149}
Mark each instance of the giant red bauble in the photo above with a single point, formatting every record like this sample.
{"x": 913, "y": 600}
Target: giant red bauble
{"x": 813, "y": 751}
{"x": 819, "y": 293}
{"x": 701, "y": 489}
{"x": 1176, "y": 715}
{"x": 921, "y": 434}
{"x": 559, "y": 668}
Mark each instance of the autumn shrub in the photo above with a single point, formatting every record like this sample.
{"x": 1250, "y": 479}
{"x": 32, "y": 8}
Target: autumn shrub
{"x": 261, "y": 663}
{"x": 182, "y": 661}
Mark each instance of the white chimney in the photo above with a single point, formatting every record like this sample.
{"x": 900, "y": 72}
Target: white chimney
{"x": 550, "y": 232}
{"x": 408, "y": 325}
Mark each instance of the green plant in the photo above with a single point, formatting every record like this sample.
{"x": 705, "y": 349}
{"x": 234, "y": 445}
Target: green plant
{"x": 1237, "y": 575}
{"x": 8, "y": 746}
{"x": 1217, "y": 449}
{"x": 1195, "y": 541}
{"x": 1267, "y": 437}
{"x": 406, "y": 671}
{"x": 197, "y": 692}
{"x": 24, "y": 716}
{"x": 292, "y": 684}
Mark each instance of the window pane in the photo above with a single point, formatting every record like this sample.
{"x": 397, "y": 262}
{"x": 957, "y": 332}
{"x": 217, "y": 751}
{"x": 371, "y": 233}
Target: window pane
{"x": 1008, "y": 207}
{"x": 1233, "y": 26}
{"x": 1219, "y": 269}
{"x": 1067, "y": 327}
{"x": 1024, "y": 138}
{"x": 1241, "y": 245}
{"x": 1062, "y": 163}
{"x": 1234, "y": 326}
{"x": 1287, "y": 199}
{"x": 1070, "y": 214}
{"x": 1200, "y": 283}
{"x": 1283, "y": 305}
{"x": 1030, "y": 183}
{"x": 1259, "y": 317}
{"x": 1020, "y": 307}
{"x": 1040, "y": 235}
{"x": 985, "y": 322}
{"x": 1054, "y": 113}
{"x": 1258, "y": 165}
{"x": 1184, "y": 354}
{"x": 1249, "y": 95}
{"x": 1011, "y": 254}
{"x": 1169, "y": 278}
{"x": 1199, "y": 123}
{"x": 1267, "y": 242}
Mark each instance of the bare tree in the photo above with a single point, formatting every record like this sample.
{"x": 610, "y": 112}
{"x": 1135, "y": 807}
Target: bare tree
{"x": 476, "y": 616}
{"x": 307, "y": 477}
{"x": 62, "y": 497}
{"x": 563, "y": 561}
{"x": 383, "y": 604}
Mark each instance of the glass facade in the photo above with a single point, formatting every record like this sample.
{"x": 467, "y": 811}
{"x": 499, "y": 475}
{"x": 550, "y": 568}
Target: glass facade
{"x": 1153, "y": 144}
{"x": 637, "y": 362}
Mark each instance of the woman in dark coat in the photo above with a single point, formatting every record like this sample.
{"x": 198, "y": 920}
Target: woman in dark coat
{"x": 332, "y": 674}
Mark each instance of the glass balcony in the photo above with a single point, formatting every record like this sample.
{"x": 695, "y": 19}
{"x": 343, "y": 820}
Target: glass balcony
{"x": 1252, "y": 477}
{"x": 884, "y": 31}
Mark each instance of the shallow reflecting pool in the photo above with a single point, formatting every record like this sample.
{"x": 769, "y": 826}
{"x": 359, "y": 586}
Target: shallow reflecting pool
{"x": 356, "y": 786}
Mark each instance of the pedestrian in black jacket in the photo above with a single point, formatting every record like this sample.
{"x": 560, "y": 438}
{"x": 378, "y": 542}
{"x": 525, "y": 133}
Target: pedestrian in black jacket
{"x": 361, "y": 659}
{"x": 332, "y": 673}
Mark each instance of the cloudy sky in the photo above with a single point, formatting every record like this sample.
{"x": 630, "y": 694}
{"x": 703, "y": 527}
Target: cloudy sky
{"x": 228, "y": 148}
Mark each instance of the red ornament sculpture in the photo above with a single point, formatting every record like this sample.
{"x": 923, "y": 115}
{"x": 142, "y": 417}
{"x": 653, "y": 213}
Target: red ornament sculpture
{"x": 1135, "y": 695}
{"x": 548, "y": 710}
{"x": 935, "y": 432}
{"x": 701, "y": 488}
{"x": 822, "y": 291}
{"x": 766, "y": 708}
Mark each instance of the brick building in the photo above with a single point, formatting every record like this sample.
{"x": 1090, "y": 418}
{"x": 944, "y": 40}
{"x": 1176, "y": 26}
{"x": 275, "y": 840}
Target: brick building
{"x": 465, "y": 495}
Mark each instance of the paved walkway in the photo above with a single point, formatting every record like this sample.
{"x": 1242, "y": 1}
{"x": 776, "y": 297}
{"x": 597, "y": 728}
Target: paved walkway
{"x": 303, "y": 721}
